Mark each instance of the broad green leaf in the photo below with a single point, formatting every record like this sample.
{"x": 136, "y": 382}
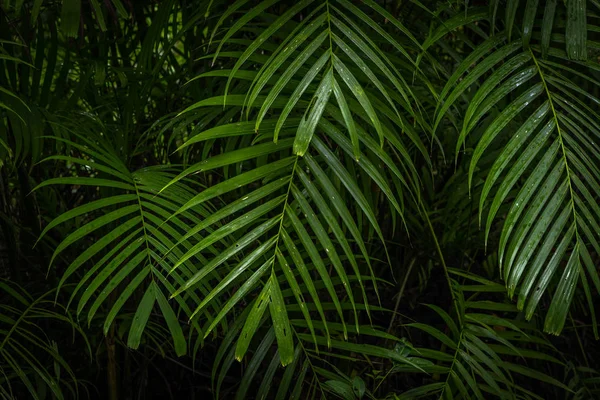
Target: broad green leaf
{"x": 253, "y": 321}
{"x": 576, "y": 30}
{"x": 309, "y": 76}
{"x": 360, "y": 94}
{"x": 172, "y": 321}
{"x": 308, "y": 124}
{"x": 140, "y": 319}
{"x": 281, "y": 323}
{"x": 349, "y": 121}
{"x": 547, "y": 24}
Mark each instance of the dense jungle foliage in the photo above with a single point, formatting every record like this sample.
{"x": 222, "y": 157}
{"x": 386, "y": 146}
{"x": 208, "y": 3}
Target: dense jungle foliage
{"x": 352, "y": 199}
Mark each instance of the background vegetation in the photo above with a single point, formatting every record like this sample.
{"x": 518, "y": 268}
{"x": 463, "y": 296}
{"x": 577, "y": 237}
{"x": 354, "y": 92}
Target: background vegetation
{"x": 307, "y": 199}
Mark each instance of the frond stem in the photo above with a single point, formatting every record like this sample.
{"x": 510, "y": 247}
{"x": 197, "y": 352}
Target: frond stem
{"x": 329, "y": 32}
{"x": 454, "y": 299}
{"x": 137, "y": 193}
{"x": 443, "y": 262}
{"x": 400, "y": 293}
{"x": 560, "y": 140}
{"x": 287, "y": 196}
{"x": 452, "y": 365}
{"x": 579, "y": 341}
{"x": 312, "y": 368}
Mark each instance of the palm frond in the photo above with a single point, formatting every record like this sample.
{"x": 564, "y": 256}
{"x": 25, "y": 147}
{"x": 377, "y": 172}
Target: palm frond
{"x": 475, "y": 359}
{"x": 302, "y": 221}
{"x": 132, "y": 236}
{"x": 310, "y": 369}
{"x": 553, "y": 181}
{"x": 23, "y": 343}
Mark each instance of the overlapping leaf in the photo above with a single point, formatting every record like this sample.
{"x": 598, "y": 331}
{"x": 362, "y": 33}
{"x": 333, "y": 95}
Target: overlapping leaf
{"x": 310, "y": 369}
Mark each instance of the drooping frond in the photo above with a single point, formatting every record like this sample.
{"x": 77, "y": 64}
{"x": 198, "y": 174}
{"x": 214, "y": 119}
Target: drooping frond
{"x": 541, "y": 112}
{"x": 130, "y": 237}
{"x": 303, "y": 219}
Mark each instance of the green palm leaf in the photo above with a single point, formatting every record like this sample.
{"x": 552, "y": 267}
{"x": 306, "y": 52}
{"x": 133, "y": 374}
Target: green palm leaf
{"x": 296, "y": 221}
{"x": 133, "y": 236}
{"x": 473, "y": 359}
{"x": 21, "y": 338}
{"x": 553, "y": 152}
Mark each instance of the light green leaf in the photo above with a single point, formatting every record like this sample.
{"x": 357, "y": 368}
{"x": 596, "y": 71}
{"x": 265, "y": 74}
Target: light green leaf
{"x": 281, "y": 323}
{"x": 311, "y": 118}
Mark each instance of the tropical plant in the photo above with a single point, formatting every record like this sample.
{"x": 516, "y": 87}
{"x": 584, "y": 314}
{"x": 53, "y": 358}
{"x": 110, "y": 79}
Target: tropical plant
{"x": 24, "y": 342}
{"x": 382, "y": 177}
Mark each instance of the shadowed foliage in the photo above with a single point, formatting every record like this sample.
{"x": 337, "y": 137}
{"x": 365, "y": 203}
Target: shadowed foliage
{"x": 288, "y": 200}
